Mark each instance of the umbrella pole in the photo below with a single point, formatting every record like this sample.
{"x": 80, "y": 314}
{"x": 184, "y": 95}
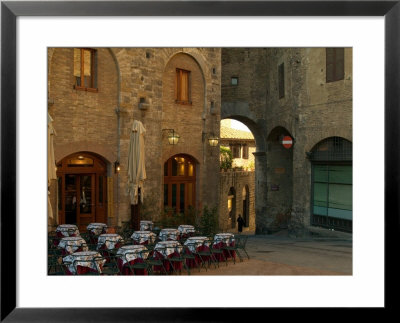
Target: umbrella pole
{"x": 135, "y": 214}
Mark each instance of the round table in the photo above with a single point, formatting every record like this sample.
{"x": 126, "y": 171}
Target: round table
{"x": 109, "y": 241}
{"x": 67, "y": 230}
{"x": 97, "y": 228}
{"x": 146, "y": 225}
{"x": 70, "y": 245}
{"x": 169, "y": 234}
{"x": 168, "y": 249}
{"x": 194, "y": 242}
{"x": 225, "y": 239}
{"x": 186, "y": 230}
{"x": 132, "y": 254}
{"x": 143, "y": 237}
{"x": 86, "y": 264}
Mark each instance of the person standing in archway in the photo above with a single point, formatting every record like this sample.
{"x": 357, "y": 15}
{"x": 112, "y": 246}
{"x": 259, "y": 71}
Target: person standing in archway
{"x": 240, "y": 222}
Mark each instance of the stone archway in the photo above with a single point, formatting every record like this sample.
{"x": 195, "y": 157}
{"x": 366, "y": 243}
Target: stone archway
{"x": 240, "y": 111}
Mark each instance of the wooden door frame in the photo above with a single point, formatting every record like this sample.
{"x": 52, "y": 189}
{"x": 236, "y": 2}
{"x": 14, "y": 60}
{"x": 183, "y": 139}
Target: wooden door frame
{"x": 184, "y": 179}
{"x": 99, "y": 168}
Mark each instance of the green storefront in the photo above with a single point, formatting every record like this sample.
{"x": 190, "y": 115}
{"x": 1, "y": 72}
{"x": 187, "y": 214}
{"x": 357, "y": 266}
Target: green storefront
{"x": 332, "y": 184}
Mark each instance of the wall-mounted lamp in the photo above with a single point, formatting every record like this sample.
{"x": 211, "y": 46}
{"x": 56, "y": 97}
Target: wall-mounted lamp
{"x": 117, "y": 167}
{"x": 212, "y": 139}
{"x": 173, "y": 137}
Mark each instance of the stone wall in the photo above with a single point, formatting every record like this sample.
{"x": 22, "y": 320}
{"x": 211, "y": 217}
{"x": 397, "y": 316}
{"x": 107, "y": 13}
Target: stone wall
{"x": 139, "y": 83}
{"x": 240, "y": 181}
{"x": 310, "y": 111}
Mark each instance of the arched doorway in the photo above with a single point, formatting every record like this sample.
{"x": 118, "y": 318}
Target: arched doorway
{"x": 332, "y": 184}
{"x": 180, "y": 183}
{"x": 82, "y": 189}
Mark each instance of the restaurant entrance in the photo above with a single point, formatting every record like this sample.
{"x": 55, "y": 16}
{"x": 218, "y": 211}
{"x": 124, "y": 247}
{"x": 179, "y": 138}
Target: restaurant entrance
{"x": 82, "y": 190}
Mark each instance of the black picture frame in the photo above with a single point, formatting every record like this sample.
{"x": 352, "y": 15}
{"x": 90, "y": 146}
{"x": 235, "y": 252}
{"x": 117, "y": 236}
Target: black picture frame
{"x": 10, "y": 10}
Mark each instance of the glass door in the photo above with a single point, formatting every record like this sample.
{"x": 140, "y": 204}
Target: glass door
{"x": 79, "y": 199}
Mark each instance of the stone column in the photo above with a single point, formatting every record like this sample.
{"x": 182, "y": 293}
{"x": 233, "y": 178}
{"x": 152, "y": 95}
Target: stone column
{"x": 261, "y": 188}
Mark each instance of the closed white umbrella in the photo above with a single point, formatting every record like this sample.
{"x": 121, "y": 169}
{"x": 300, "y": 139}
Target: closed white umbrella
{"x": 136, "y": 159}
{"x": 51, "y": 163}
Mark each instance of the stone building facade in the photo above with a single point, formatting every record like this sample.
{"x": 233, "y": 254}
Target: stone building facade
{"x": 94, "y": 95}
{"x": 236, "y": 197}
{"x": 292, "y": 92}
{"x": 240, "y": 142}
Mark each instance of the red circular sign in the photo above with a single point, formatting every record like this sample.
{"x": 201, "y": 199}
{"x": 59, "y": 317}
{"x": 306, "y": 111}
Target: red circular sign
{"x": 287, "y": 141}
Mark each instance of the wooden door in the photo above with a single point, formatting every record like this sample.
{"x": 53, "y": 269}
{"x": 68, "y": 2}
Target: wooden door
{"x": 86, "y": 211}
{"x": 82, "y": 190}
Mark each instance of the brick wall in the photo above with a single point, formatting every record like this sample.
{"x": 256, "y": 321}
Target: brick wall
{"x": 87, "y": 121}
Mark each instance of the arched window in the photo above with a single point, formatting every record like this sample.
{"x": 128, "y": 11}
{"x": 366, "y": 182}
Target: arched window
{"x": 180, "y": 183}
{"x": 332, "y": 184}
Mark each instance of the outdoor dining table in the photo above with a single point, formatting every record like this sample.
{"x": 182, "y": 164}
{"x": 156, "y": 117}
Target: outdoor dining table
{"x": 132, "y": 254}
{"x": 168, "y": 249}
{"x": 143, "y": 237}
{"x": 69, "y": 245}
{"x": 146, "y": 225}
{"x": 84, "y": 262}
{"x": 169, "y": 234}
{"x": 186, "y": 230}
{"x": 194, "y": 245}
{"x": 67, "y": 230}
{"x": 97, "y": 228}
{"x": 224, "y": 239}
{"x": 109, "y": 241}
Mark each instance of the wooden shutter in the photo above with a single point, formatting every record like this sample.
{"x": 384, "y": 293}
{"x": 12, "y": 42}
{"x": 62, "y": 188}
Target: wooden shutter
{"x": 334, "y": 64}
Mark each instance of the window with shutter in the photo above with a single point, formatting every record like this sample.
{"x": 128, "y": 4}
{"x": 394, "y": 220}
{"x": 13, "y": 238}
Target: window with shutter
{"x": 182, "y": 86}
{"x": 245, "y": 154}
{"x": 334, "y": 64}
{"x": 85, "y": 69}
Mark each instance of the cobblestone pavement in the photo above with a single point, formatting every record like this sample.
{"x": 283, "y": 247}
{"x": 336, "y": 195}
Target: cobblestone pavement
{"x": 281, "y": 255}
{"x": 319, "y": 253}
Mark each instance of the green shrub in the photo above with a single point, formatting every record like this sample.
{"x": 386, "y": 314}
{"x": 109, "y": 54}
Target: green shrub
{"x": 226, "y": 158}
{"x": 208, "y": 222}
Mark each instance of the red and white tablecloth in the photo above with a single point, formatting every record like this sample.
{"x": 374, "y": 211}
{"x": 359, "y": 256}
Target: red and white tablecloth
{"x": 109, "y": 241}
{"x": 132, "y": 254}
{"x": 143, "y": 237}
{"x": 70, "y": 245}
{"x": 224, "y": 239}
{"x": 67, "y": 230}
{"x": 146, "y": 225}
{"x": 168, "y": 249}
{"x": 97, "y": 228}
{"x": 81, "y": 262}
{"x": 169, "y": 234}
{"x": 186, "y": 230}
{"x": 196, "y": 244}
